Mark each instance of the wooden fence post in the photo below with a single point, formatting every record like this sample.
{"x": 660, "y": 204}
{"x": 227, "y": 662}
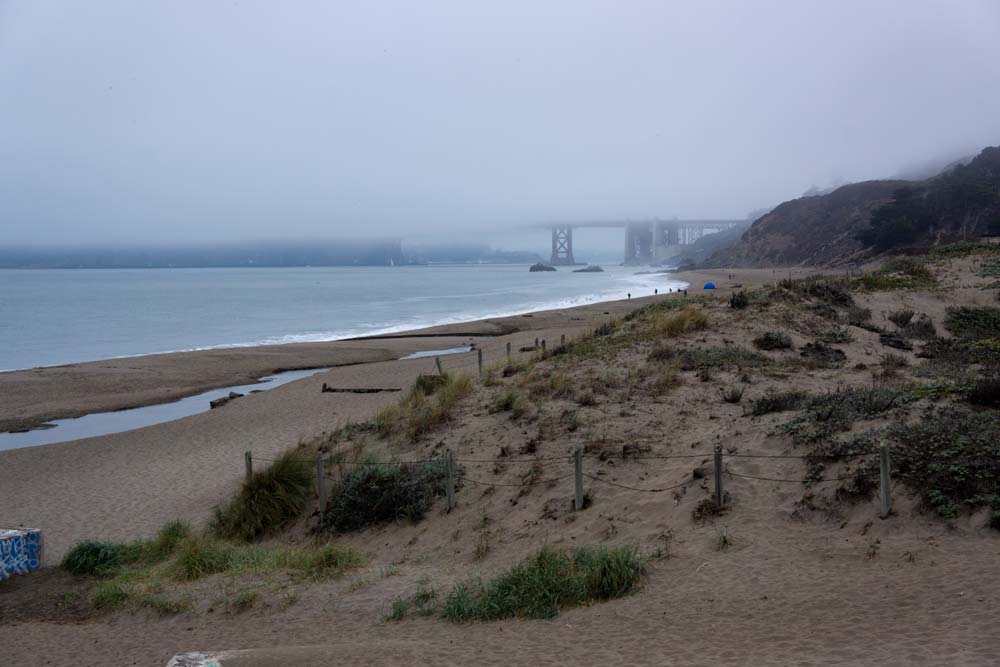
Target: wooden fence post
{"x": 248, "y": 460}
{"x": 320, "y": 485}
{"x": 718, "y": 476}
{"x": 543, "y": 346}
{"x": 578, "y": 470}
{"x": 508, "y": 351}
{"x": 884, "y": 480}
{"x": 437, "y": 362}
{"x": 562, "y": 340}
{"x": 449, "y": 467}
{"x": 480, "y": 356}
{"x": 536, "y": 343}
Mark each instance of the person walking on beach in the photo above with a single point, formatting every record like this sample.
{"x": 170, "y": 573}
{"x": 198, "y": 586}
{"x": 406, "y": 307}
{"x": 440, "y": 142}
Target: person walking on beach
{"x": 629, "y": 295}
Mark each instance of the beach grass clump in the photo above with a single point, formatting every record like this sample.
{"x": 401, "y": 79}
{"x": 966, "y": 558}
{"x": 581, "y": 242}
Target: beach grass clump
{"x": 671, "y": 325}
{"x": 733, "y": 394}
{"x": 105, "y": 559}
{"x": 271, "y": 499}
{"x": 777, "y": 401}
{"x": 901, "y": 318}
{"x": 427, "y": 406}
{"x": 836, "y": 335}
{"x": 692, "y": 359}
{"x": 99, "y": 558}
{"x": 547, "y": 582}
{"x": 773, "y": 340}
{"x": 665, "y": 379}
{"x": 893, "y": 362}
{"x": 376, "y": 494}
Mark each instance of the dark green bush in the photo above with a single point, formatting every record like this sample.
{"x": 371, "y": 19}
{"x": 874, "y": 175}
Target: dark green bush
{"x": 773, "y": 340}
{"x": 820, "y": 355}
{"x": 375, "y": 494}
{"x": 739, "y": 300}
{"x": 951, "y": 456}
{"x": 973, "y": 322}
{"x": 547, "y": 582}
{"x": 986, "y": 391}
{"x": 270, "y": 500}
{"x": 900, "y": 317}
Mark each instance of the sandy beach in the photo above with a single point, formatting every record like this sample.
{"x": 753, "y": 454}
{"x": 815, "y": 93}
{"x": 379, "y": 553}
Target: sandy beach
{"x": 795, "y": 587}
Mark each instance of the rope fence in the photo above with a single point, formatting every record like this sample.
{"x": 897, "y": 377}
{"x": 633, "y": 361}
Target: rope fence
{"x": 579, "y": 456}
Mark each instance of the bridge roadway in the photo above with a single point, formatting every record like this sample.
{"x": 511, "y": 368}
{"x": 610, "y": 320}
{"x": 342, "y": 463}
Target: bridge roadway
{"x": 645, "y": 241}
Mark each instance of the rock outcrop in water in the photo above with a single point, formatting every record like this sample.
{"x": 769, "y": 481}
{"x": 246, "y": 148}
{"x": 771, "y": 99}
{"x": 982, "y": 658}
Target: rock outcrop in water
{"x": 539, "y": 266}
{"x": 592, "y": 268}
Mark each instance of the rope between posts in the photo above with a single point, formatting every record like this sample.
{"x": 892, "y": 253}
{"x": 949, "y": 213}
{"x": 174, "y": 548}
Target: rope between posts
{"x": 539, "y": 482}
{"x": 790, "y": 481}
{"x": 632, "y": 488}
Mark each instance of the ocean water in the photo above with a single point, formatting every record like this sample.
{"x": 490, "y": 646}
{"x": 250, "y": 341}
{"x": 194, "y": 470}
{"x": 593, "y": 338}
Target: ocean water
{"x": 51, "y": 317}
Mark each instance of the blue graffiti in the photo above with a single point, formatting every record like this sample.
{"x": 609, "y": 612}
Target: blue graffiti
{"x": 20, "y": 552}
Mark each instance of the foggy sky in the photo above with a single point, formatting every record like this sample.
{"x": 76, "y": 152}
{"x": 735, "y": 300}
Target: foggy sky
{"x": 152, "y": 121}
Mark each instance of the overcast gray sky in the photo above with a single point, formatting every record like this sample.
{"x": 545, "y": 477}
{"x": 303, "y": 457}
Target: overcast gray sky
{"x": 188, "y": 121}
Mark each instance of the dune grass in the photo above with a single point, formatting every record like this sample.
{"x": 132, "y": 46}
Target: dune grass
{"x": 426, "y": 407}
{"x": 671, "y": 325}
{"x": 547, "y": 582}
{"x": 270, "y": 500}
{"x": 104, "y": 559}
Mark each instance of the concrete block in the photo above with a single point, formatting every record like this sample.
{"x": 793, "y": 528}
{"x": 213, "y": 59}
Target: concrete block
{"x": 20, "y": 551}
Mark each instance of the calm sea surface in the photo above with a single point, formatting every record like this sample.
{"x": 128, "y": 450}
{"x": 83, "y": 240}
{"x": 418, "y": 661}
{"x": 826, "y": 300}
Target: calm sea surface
{"x": 50, "y": 317}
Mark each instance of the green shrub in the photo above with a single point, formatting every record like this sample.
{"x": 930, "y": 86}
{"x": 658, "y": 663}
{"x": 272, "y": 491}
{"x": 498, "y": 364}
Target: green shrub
{"x": 739, "y": 300}
{"x": 375, "y": 494}
{"x": 773, "y": 340}
{"x": 962, "y": 249}
{"x": 270, "y": 500}
{"x": 901, "y": 273}
{"x": 986, "y": 391}
{"x": 99, "y": 558}
{"x": 921, "y": 328}
{"x": 821, "y": 355}
{"x": 547, "y": 582}
{"x": 973, "y": 322}
{"x": 951, "y": 456}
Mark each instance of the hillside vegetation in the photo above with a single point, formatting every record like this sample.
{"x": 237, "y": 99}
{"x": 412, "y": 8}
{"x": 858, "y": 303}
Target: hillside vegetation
{"x": 856, "y": 222}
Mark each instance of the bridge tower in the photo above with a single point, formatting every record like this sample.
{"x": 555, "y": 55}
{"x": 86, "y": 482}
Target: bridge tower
{"x": 562, "y": 246}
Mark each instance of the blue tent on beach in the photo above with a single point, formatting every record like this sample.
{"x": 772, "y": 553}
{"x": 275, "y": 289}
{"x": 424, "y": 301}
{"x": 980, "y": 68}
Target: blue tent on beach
{"x": 709, "y": 285}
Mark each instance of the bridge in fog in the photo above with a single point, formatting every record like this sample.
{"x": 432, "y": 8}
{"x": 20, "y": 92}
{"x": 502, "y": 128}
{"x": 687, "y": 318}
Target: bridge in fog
{"x": 646, "y": 242}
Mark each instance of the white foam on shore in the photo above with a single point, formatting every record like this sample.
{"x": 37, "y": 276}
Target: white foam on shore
{"x": 647, "y": 281}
